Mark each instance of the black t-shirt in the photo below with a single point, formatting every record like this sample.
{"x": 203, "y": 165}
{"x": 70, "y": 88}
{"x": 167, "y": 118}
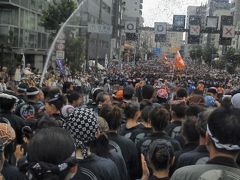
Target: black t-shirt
{"x": 129, "y": 153}
{"x": 197, "y": 156}
{"x": 12, "y": 173}
{"x": 171, "y": 126}
{"x": 156, "y": 178}
{"x": 17, "y": 124}
{"x": 140, "y": 134}
{"x": 129, "y": 132}
{"x": 117, "y": 158}
{"x": 95, "y": 167}
{"x": 160, "y": 135}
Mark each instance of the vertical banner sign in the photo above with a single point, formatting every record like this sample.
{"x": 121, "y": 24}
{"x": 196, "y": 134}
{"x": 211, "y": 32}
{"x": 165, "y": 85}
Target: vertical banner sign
{"x": 226, "y": 30}
{"x": 179, "y": 22}
{"x": 160, "y": 29}
{"x": 130, "y": 30}
{"x": 194, "y": 29}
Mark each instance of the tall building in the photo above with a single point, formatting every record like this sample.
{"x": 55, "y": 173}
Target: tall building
{"x": 20, "y": 29}
{"x": 217, "y": 8}
{"x": 133, "y": 13}
{"x": 91, "y": 14}
{"x": 235, "y": 11}
{"x": 117, "y": 23}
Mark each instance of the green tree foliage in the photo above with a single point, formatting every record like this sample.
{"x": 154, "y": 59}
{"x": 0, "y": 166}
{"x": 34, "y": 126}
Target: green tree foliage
{"x": 75, "y": 52}
{"x": 232, "y": 59}
{"x": 209, "y": 53}
{"x": 196, "y": 53}
{"x": 57, "y": 13}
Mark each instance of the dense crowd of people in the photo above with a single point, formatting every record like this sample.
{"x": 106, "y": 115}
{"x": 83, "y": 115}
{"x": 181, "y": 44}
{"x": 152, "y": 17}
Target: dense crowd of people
{"x": 145, "y": 122}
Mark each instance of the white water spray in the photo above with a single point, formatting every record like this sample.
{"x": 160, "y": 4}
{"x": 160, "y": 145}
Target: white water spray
{"x": 55, "y": 40}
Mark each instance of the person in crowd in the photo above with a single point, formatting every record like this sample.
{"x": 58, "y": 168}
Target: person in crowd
{"x": 141, "y": 133}
{"x": 200, "y": 154}
{"x": 190, "y": 134}
{"x": 103, "y": 148}
{"x": 33, "y": 107}
{"x": 147, "y": 93}
{"x": 8, "y": 168}
{"x": 17, "y": 74}
{"x": 7, "y": 108}
{"x": 162, "y": 96}
{"x": 75, "y": 99}
{"x": 83, "y": 127}
{"x": 181, "y": 94}
{"x": 196, "y": 100}
{"x": 132, "y": 113}
{"x": 174, "y": 129}
{"x": 128, "y": 93}
{"x": 127, "y": 147}
{"x": 21, "y": 94}
{"x": 223, "y": 145}
{"x": 51, "y": 155}
{"x": 53, "y": 106}
{"x": 102, "y": 99}
{"x": 236, "y": 100}
{"x": 160, "y": 158}
{"x": 3, "y": 86}
{"x": 67, "y": 87}
{"x": 2, "y": 158}
{"x": 159, "y": 118}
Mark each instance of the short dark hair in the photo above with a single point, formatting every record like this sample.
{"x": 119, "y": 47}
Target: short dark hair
{"x": 73, "y": 96}
{"x": 57, "y": 100}
{"x": 179, "y": 110}
{"x": 101, "y": 97}
{"x": 53, "y": 146}
{"x": 128, "y": 92}
{"x": 224, "y": 125}
{"x": 162, "y": 155}
{"x": 147, "y": 91}
{"x": 113, "y": 115}
{"x": 193, "y": 110}
{"x": 159, "y": 118}
{"x": 189, "y": 129}
{"x": 181, "y": 93}
{"x": 202, "y": 122}
{"x": 66, "y": 86}
{"x": 131, "y": 109}
{"x": 145, "y": 113}
{"x": 7, "y": 104}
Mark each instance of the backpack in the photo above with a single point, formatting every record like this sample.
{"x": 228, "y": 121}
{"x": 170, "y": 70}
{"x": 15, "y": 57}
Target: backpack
{"x": 115, "y": 147}
{"x": 139, "y": 137}
{"x": 176, "y": 132}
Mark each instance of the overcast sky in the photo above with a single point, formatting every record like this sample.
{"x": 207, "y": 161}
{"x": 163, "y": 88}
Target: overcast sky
{"x": 163, "y": 10}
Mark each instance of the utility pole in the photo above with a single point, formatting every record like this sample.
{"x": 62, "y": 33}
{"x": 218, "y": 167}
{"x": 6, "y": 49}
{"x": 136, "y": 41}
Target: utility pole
{"x": 99, "y": 22}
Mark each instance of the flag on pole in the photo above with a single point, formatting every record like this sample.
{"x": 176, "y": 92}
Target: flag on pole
{"x": 180, "y": 65}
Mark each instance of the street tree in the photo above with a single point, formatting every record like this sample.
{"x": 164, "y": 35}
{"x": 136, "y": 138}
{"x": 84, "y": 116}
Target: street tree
{"x": 209, "y": 53}
{"x": 75, "y": 52}
{"x": 196, "y": 53}
{"x": 57, "y": 13}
